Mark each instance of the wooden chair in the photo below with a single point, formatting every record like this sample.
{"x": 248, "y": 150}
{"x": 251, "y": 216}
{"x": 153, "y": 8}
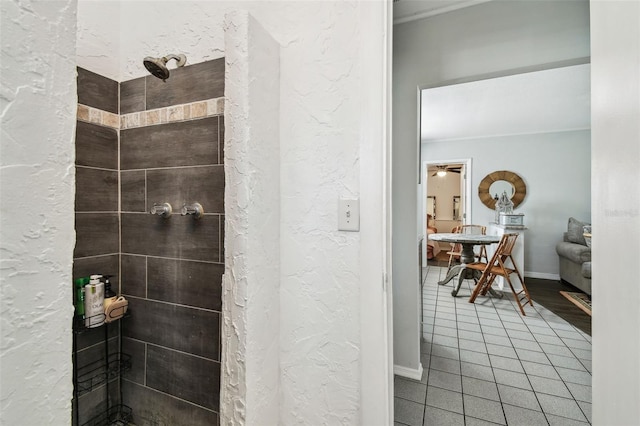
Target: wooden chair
{"x": 497, "y": 266}
{"x": 456, "y": 250}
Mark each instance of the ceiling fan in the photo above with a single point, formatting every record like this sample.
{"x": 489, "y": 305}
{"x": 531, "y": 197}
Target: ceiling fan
{"x": 442, "y": 170}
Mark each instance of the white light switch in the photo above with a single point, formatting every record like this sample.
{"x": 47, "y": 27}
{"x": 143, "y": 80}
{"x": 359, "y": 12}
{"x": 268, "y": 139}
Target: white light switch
{"x": 348, "y": 214}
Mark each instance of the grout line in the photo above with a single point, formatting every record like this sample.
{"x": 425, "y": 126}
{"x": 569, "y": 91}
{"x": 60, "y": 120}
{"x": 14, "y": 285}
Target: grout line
{"x": 204, "y": 358}
{"x": 146, "y": 277}
{"x": 98, "y": 212}
{"x": 164, "y": 302}
{"x": 219, "y": 142}
{"x": 195, "y": 166}
{"x": 119, "y": 203}
{"x": 105, "y": 169}
{"x": 172, "y": 258}
{"x": 95, "y": 256}
{"x": 174, "y": 397}
{"x": 146, "y": 357}
{"x": 146, "y": 194}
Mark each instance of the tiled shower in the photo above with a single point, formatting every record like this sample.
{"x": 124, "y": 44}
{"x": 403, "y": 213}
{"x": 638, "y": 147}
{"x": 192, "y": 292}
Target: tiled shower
{"x": 143, "y": 142}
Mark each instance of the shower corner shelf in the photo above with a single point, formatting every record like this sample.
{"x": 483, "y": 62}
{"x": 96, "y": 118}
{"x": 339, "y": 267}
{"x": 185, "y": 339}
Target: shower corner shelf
{"x": 118, "y": 415}
{"x": 97, "y": 373}
{"x": 101, "y": 372}
{"x": 79, "y": 322}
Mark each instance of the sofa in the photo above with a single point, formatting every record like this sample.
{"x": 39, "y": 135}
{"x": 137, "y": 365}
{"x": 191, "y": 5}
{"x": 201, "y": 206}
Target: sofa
{"x": 575, "y": 256}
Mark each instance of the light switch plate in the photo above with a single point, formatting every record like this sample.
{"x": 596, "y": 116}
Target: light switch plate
{"x": 348, "y": 214}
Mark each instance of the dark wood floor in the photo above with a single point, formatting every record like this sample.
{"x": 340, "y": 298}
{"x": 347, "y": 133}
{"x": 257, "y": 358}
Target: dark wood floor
{"x": 547, "y": 294}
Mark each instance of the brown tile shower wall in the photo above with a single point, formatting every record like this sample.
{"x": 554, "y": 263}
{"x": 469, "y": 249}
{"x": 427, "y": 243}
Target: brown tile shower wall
{"x": 171, "y": 151}
{"x": 97, "y": 248}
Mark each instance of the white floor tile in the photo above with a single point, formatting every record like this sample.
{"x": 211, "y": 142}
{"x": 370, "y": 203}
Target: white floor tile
{"x": 519, "y": 397}
{"x": 517, "y": 416}
{"x": 574, "y": 376}
{"x": 500, "y": 350}
{"x": 445, "y": 399}
{"x": 480, "y": 388}
{"x": 563, "y": 407}
{"x": 549, "y": 386}
{"x": 438, "y": 416}
{"x": 445, "y": 352}
{"x": 541, "y": 370}
{"x": 484, "y": 409}
{"x": 511, "y": 378}
{"x": 504, "y": 363}
{"x": 444, "y": 380}
{"x": 474, "y": 357}
{"x": 484, "y": 364}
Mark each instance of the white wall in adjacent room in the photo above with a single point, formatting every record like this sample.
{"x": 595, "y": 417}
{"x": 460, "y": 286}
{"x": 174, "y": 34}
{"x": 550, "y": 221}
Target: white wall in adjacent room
{"x": 556, "y": 167}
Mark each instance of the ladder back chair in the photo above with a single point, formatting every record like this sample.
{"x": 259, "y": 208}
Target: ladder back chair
{"x": 456, "y": 250}
{"x": 497, "y": 266}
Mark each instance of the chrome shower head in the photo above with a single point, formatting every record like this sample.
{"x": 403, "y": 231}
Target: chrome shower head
{"x": 158, "y": 66}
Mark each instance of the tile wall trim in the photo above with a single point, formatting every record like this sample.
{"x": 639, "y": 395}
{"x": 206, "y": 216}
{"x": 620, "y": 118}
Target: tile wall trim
{"x": 170, "y": 114}
{"x": 97, "y": 116}
{"x": 173, "y": 113}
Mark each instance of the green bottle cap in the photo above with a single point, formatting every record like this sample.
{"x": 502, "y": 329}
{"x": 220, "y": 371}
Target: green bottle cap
{"x": 81, "y": 282}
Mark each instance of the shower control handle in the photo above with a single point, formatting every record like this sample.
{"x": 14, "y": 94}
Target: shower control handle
{"x": 194, "y": 209}
{"x": 163, "y": 210}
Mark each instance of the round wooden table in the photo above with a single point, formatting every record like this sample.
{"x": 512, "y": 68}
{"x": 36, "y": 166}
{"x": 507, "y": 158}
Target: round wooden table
{"x": 468, "y": 242}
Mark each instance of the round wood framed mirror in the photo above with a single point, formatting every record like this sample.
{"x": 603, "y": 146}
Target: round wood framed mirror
{"x": 502, "y": 180}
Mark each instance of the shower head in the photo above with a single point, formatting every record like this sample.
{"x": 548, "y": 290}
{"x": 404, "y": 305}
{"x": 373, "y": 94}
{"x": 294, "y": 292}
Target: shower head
{"x": 158, "y": 66}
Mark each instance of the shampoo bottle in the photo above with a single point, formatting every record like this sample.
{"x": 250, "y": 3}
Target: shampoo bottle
{"x": 94, "y": 302}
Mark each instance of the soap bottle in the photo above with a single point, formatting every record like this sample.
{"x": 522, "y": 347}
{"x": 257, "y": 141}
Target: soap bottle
{"x": 94, "y": 302}
{"x": 78, "y": 286}
{"x": 110, "y": 296}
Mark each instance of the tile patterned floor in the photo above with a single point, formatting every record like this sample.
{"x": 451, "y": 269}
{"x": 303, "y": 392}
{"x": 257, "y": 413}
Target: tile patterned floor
{"x": 485, "y": 364}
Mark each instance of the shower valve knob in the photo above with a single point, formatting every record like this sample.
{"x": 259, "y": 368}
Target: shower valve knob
{"x": 163, "y": 210}
{"x": 194, "y": 209}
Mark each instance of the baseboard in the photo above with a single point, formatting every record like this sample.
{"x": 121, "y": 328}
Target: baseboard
{"x": 542, "y": 275}
{"x": 410, "y": 373}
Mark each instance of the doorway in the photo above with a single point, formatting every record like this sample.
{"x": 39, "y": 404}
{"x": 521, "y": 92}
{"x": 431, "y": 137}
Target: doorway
{"x": 445, "y": 191}
{"x": 472, "y": 42}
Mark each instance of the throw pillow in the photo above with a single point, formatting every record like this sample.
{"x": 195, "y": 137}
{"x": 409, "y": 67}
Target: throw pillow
{"x": 575, "y": 229}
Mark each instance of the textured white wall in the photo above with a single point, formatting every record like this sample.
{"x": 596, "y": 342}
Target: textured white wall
{"x": 251, "y": 305}
{"x": 487, "y": 38}
{"x": 615, "y": 88}
{"x": 556, "y": 168}
{"x": 331, "y": 63}
{"x": 37, "y": 201}
{"x": 98, "y": 37}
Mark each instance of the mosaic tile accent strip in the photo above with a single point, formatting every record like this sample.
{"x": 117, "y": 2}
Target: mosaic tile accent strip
{"x": 170, "y": 114}
{"x": 174, "y": 113}
{"x": 96, "y": 116}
